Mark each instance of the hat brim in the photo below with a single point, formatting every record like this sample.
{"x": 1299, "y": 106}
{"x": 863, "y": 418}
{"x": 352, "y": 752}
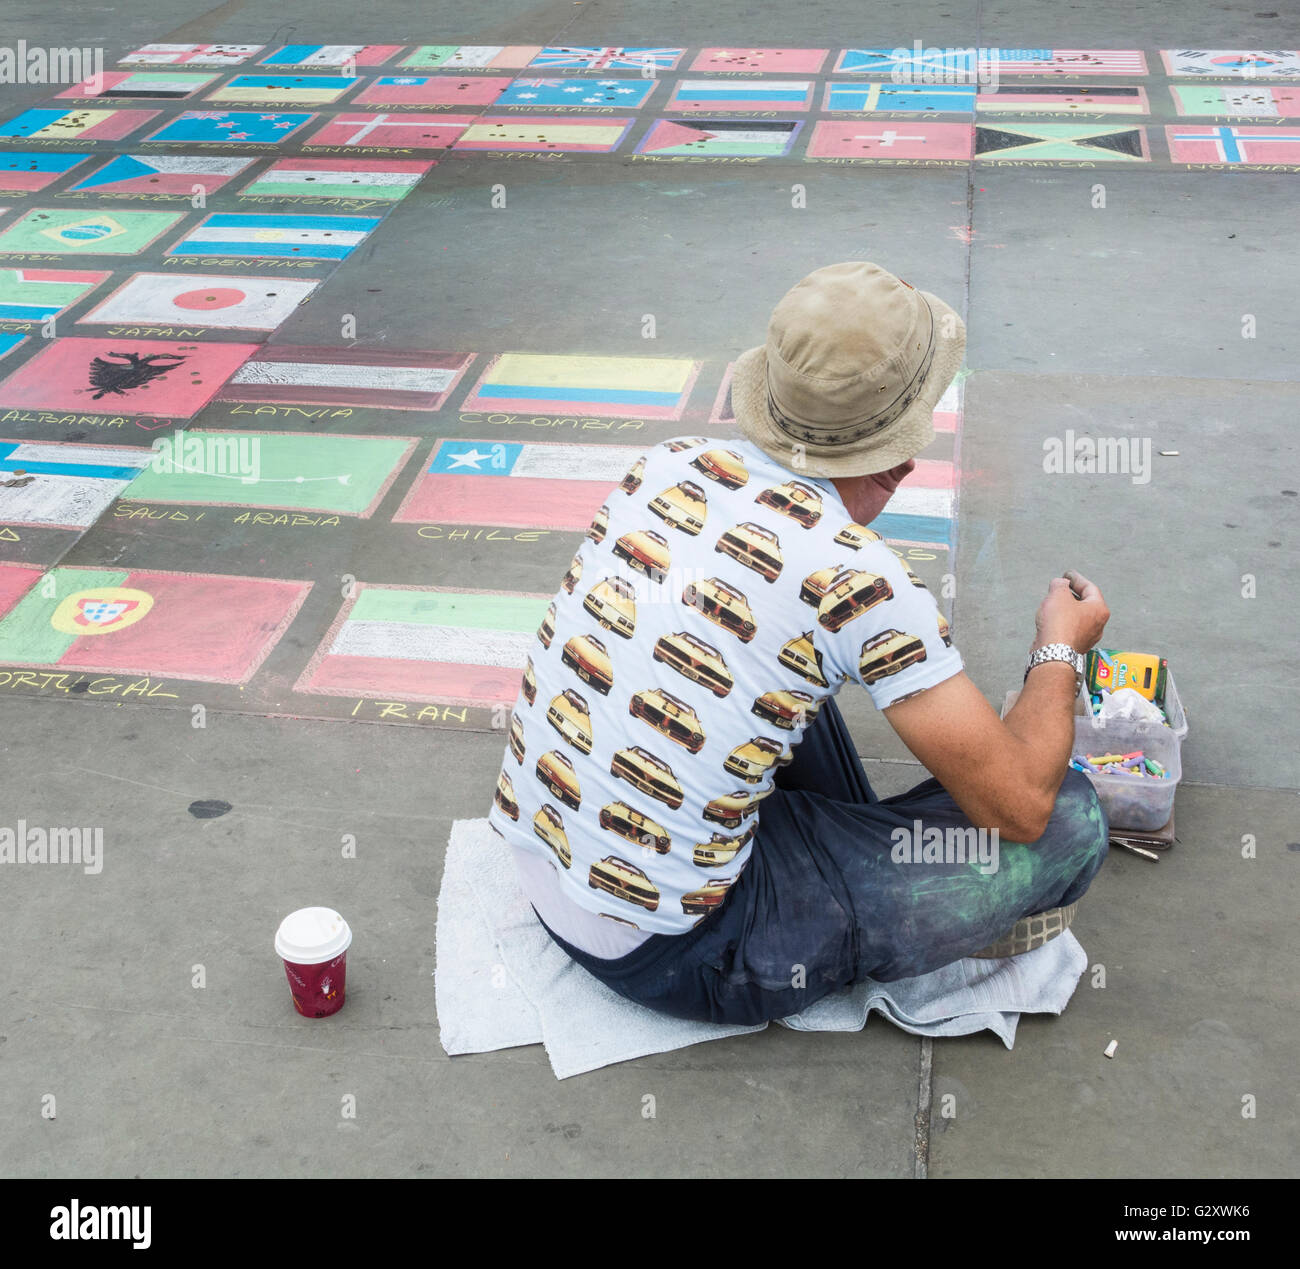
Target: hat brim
{"x": 906, "y": 437}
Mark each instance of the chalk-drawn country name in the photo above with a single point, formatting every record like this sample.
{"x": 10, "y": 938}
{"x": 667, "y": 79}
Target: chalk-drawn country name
{"x": 257, "y": 262}
{"x": 142, "y": 332}
{"x": 72, "y": 684}
{"x": 348, "y": 204}
{"x": 242, "y": 146}
{"x": 295, "y": 411}
{"x": 64, "y": 420}
{"x": 543, "y": 420}
{"x": 909, "y": 162}
{"x": 271, "y": 519}
{"x": 27, "y": 255}
{"x": 695, "y": 158}
{"x": 444, "y": 533}
{"x": 380, "y": 711}
{"x": 128, "y": 196}
{"x": 360, "y": 149}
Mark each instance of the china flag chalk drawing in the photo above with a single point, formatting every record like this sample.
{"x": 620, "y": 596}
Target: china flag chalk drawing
{"x": 518, "y": 485}
{"x": 196, "y": 626}
{"x": 408, "y": 643}
{"x": 611, "y": 387}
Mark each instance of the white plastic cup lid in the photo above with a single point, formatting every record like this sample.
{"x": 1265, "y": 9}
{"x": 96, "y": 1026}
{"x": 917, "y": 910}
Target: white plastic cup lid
{"x": 311, "y": 936}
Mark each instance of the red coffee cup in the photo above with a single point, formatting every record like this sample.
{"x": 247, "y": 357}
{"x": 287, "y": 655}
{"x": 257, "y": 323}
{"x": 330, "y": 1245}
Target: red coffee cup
{"x": 313, "y": 943}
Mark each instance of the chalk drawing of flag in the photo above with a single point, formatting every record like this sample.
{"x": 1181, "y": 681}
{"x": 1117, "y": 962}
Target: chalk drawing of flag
{"x": 36, "y": 295}
{"x": 402, "y": 643}
{"x": 1233, "y": 63}
{"x": 63, "y": 486}
{"x": 381, "y": 378}
{"x": 32, "y": 170}
{"x": 202, "y": 127}
{"x": 197, "y": 626}
{"x": 58, "y": 124}
{"x": 432, "y": 90}
{"x": 1110, "y": 99}
{"x": 331, "y": 55}
{"x": 419, "y": 132}
{"x": 798, "y": 61}
{"x": 734, "y": 94}
{"x": 1064, "y": 61}
{"x": 191, "y": 55}
{"x": 586, "y": 93}
{"x": 302, "y": 90}
{"x": 10, "y": 340}
{"x": 293, "y": 237}
{"x": 196, "y": 299}
{"x": 70, "y": 231}
{"x": 609, "y": 58}
{"x": 148, "y": 85}
{"x": 948, "y": 99}
{"x": 162, "y": 174}
{"x": 518, "y": 484}
{"x": 902, "y": 61}
{"x": 734, "y": 137}
{"x": 1247, "y": 146}
{"x": 544, "y": 133}
{"x": 478, "y": 56}
{"x": 609, "y": 387}
{"x": 1259, "y": 100}
{"x": 385, "y": 179}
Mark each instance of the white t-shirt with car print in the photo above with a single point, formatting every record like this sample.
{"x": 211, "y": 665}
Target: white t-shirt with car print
{"x": 718, "y": 599}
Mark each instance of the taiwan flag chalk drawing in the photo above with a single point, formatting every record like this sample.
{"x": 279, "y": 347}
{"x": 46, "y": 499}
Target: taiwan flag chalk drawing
{"x": 255, "y": 234}
{"x": 45, "y": 124}
{"x": 76, "y": 232}
{"x": 608, "y": 387}
{"x": 140, "y": 85}
{"x": 938, "y": 99}
{"x": 36, "y": 295}
{"x": 739, "y": 94}
{"x": 197, "y": 299}
{"x": 577, "y": 93}
{"x": 431, "y": 90}
{"x": 475, "y": 56}
{"x": 175, "y": 174}
{"x": 799, "y": 61}
{"x": 387, "y": 180}
{"x": 194, "y": 626}
{"x": 382, "y": 378}
{"x": 300, "y": 471}
{"x": 1063, "y": 143}
{"x": 203, "y": 127}
{"x": 1258, "y": 100}
{"x": 1108, "y": 99}
{"x": 517, "y": 485}
{"x": 544, "y": 133}
{"x": 1233, "y": 63}
{"x": 416, "y": 132}
{"x": 63, "y": 486}
{"x": 191, "y": 55}
{"x": 28, "y": 170}
{"x": 877, "y": 140}
{"x": 609, "y": 58}
{"x": 1245, "y": 147}
{"x": 295, "y": 90}
{"x": 159, "y": 378}
{"x": 425, "y": 644}
{"x": 331, "y": 55}
{"x": 753, "y": 138}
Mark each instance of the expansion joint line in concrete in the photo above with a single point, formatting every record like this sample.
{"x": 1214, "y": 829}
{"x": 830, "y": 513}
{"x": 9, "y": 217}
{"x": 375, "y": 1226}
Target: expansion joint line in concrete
{"x": 924, "y": 1092}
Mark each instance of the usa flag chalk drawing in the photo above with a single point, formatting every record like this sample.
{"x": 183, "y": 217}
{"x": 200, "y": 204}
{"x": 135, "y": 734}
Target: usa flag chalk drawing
{"x": 196, "y": 299}
{"x": 279, "y": 237}
{"x": 77, "y": 232}
{"x": 208, "y": 127}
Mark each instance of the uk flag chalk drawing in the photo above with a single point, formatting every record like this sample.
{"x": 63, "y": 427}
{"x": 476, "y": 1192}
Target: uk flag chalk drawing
{"x": 836, "y": 139}
{"x": 406, "y": 643}
{"x": 158, "y": 378}
{"x": 64, "y": 231}
{"x": 867, "y": 98}
{"x": 471, "y": 56}
{"x": 527, "y": 485}
{"x": 191, "y": 55}
{"x": 432, "y": 90}
{"x": 63, "y": 486}
{"x": 607, "y": 387}
{"x": 938, "y": 63}
{"x": 140, "y": 86}
{"x": 545, "y": 133}
{"x": 577, "y": 94}
{"x": 223, "y": 302}
{"x": 382, "y": 378}
{"x": 294, "y": 471}
{"x": 391, "y": 131}
{"x": 291, "y": 90}
{"x": 210, "y": 127}
{"x": 385, "y": 180}
{"x": 45, "y": 123}
{"x": 36, "y": 295}
{"x": 741, "y": 94}
{"x": 1244, "y": 147}
{"x": 27, "y": 170}
{"x": 787, "y": 61}
{"x": 1233, "y": 63}
{"x": 1260, "y": 101}
{"x": 196, "y": 626}
{"x": 1084, "y": 99}
{"x": 175, "y": 174}
{"x": 734, "y": 138}
{"x": 591, "y": 58}
{"x": 331, "y": 55}
{"x": 260, "y": 234}
{"x": 1062, "y": 143}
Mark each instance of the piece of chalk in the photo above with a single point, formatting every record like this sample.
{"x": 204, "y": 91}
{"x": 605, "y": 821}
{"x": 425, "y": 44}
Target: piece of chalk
{"x": 1111, "y": 1047}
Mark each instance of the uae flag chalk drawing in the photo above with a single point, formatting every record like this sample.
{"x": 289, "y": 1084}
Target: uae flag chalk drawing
{"x": 202, "y": 299}
{"x": 408, "y": 643}
{"x": 140, "y": 85}
{"x": 197, "y": 626}
{"x": 133, "y": 377}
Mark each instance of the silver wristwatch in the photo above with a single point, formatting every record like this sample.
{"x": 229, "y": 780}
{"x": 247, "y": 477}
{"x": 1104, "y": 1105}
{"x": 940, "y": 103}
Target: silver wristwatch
{"x": 1058, "y": 652}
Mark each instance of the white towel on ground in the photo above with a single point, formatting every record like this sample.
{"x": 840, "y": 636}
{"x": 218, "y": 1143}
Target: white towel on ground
{"x": 501, "y": 982}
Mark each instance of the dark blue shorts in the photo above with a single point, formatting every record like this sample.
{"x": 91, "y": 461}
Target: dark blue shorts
{"x": 823, "y": 903}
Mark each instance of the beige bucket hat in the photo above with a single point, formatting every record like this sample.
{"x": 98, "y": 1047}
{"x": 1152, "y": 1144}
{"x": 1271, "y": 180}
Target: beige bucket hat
{"x": 854, "y": 364}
